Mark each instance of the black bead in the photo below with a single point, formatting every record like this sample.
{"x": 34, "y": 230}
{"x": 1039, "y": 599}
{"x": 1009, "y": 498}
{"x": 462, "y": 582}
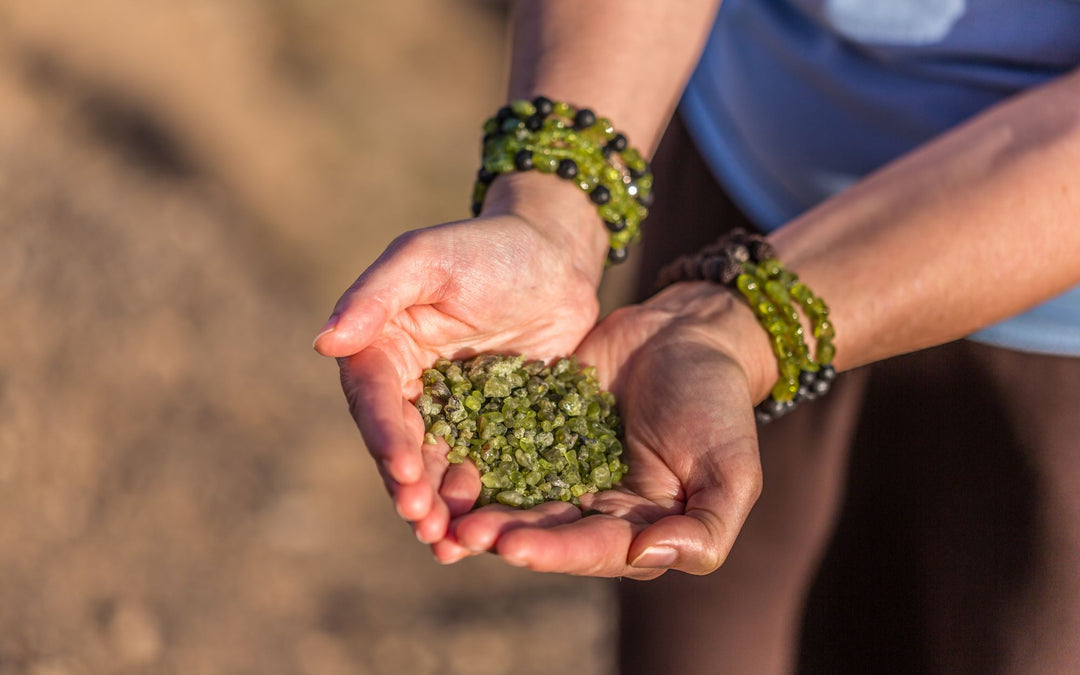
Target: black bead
{"x": 807, "y": 377}
{"x": 820, "y": 387}
{"x": 488, "y": 137}
{"x": 805, "y": 394}
{"x": 567, "y": 168}
{"x": 485, "y": 176}
{"x": 523, "y": 160}
{"x": 646, "y": 199}
{"x": 827, "y": 373}
{"x": 505, "y": 113}
{"x": 600, "y": 195}
{"x": 606, "y": 152}
{"x": 476, "y": 207}
{"x": 635, "y": 174}
{"x": 618, "y": 144}
{"x": 617, "y": 255}
{"x": 713, "y": 269}
{"x": 534, "y": 123}
{"x": 615, "y": 225}
{"x": 773, "y": 407}
{"x": 762, "y": 417}
{"x": 584, "y": 119}
{"x": 760, "y": 249}
{"x": 544, "y": 105}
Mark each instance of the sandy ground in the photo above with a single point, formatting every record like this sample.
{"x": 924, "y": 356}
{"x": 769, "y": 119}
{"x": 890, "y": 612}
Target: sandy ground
{"x": 185, "y": 188}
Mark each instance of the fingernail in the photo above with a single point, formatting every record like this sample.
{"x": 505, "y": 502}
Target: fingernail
{"x": 656, "y": 557}
{"x": 328, "y": 327}
{"x": 516, "y": 562}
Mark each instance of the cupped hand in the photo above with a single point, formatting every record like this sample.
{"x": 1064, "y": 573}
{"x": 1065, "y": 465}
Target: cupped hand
{"x": 685, "y": 394}
{"x": 491, "y": 284}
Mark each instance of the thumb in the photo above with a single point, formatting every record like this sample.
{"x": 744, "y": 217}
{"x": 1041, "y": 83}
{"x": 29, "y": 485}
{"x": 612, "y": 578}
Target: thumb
{"x": 699, "y": 540}
{"x": 406, "y": 274}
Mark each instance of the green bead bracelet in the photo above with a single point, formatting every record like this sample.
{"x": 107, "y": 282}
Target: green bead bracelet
{"x": 576, "y": 145}
{"x": 747, "y": 263}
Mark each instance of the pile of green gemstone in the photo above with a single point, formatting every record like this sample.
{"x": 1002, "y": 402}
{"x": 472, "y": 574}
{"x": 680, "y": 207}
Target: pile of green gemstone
{"x": 537, "y": 433}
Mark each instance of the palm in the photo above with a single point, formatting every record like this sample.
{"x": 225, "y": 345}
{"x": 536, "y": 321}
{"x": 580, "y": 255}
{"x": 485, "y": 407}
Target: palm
{"x": 488, "y": 285}
{"x": 691, "y": 447}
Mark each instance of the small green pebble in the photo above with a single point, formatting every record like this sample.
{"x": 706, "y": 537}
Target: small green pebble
{"x": 536, "y": 433}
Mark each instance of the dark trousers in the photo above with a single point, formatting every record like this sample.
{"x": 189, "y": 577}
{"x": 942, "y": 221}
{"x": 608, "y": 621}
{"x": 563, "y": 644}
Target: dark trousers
{"x": 922, "y": 518}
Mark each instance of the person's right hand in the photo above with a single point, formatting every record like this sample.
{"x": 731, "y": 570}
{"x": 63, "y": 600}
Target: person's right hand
{"x": 498, "y": 284}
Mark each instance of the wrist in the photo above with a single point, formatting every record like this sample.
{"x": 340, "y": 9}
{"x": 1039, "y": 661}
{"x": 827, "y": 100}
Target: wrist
{"x": 723, "y": 320}
{"x": 558, "y": 212}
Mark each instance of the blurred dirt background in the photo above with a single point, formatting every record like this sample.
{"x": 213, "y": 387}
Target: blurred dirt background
{"x": 185, "y": 188}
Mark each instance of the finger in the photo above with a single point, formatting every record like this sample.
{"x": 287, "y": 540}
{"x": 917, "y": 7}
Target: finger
{"x": 592, "y": 546}
{"x": 403, "y": 276}
{"x": 699, "y": 540}
{"x": 460, "y": 488}
{"x": 479, "y": 530}
{"x": 432, "y": 527}
{"x": 373, "y": 389}
{"x": 448, "y": 551}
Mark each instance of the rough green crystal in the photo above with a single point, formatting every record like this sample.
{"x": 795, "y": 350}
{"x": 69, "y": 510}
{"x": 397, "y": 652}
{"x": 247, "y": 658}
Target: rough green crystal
{"x": 536, "y": 432}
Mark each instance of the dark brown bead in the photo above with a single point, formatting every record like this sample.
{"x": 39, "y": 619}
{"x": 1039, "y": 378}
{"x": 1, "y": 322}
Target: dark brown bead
{"x": 761, "y": 249}
{"x": 617, "y": 255}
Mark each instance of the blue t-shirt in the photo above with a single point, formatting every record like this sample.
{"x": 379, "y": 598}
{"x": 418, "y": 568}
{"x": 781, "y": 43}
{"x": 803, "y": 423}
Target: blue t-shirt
{"x": 794, "y": 100}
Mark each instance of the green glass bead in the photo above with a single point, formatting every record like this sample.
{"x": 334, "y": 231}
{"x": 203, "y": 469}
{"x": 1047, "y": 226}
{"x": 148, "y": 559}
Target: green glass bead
{"x": 645, "y": 182}
{"x": 563, "y": 109}
{"x": 545, "y": 163}
{"x": 789, "y": 370}
{"x": 765, "y": 309}
{"x": 790, "y": 314}
{"x": 771, "y": 267}
{"x": 785, "y": 390}
{"x": 605, "y": 127}
{"x": 776, "y": 327}
{"x": 800, "y": 292}
{"x": 511, "y": 125}
{"x": 746, "y": 283}
{"x": 587, "y": 183}
{"x": 523, "y": 108}
{"x": 491, "y": 125}
{"x": 824, "y": 330}
{"x": 776, "y": 292}
{"x": 825, "y": 352}
{"x": 817, "y": 308}
{"x": 608, "y": 212}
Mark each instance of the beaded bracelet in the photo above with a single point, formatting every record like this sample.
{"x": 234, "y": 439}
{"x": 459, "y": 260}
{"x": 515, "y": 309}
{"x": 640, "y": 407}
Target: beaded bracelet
{"x": 747, "y": 263}
{"x": 574, "y": 144}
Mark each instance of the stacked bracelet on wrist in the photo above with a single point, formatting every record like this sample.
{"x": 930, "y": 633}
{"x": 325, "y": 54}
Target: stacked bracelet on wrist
{"x": 748, "y": 264}
{"x": 576, "y": 145}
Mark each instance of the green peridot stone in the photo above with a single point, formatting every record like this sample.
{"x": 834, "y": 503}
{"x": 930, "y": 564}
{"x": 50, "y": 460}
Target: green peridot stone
{"x": 523, "y": 108}
{"x": 785, "y": 390}
{"x": 800, "y": 292}
{"x": 825, "y": 352}
{"x": 777, "y": 293}
{"x": 746, "y": 283}
{"x": 824, "y": 330}
{"x": 545, "y": 163}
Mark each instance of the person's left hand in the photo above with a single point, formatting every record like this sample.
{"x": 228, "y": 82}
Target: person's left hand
{"x": 681, "y": 372}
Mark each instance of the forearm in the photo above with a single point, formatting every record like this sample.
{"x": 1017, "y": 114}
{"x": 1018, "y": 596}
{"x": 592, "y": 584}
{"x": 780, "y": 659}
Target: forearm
{"x": 973, "y": 227}
{"x": 627, "y": 60}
